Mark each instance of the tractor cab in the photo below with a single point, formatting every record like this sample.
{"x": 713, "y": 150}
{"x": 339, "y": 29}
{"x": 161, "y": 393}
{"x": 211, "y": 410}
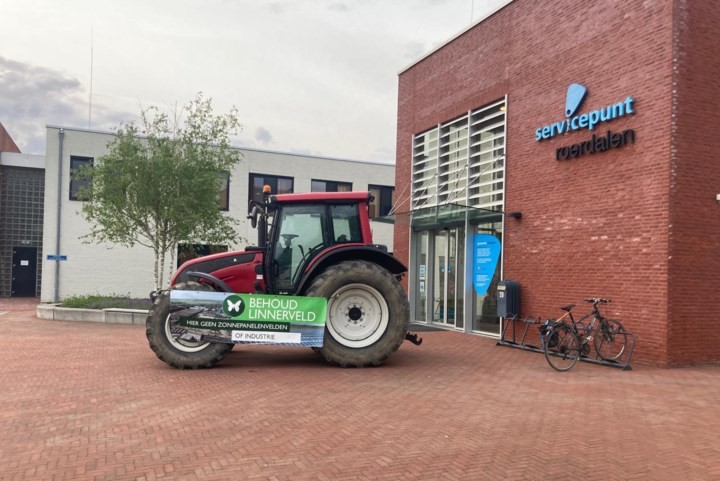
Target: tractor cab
{"x": 299, "y": 232}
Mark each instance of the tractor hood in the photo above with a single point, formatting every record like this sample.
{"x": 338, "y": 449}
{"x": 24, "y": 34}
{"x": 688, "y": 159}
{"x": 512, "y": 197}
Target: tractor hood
{"x": 238, "y": 269}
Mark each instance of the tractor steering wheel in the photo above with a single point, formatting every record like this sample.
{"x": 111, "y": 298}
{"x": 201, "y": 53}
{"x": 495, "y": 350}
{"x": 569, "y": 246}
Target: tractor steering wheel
{"x": 288, "y": 238}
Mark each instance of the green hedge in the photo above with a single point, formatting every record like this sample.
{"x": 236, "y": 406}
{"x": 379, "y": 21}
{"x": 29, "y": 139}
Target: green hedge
{"x": 97, "y": 301}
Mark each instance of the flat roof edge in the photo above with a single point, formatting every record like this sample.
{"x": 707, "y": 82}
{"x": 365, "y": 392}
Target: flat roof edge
{"x": 240, "y": 147}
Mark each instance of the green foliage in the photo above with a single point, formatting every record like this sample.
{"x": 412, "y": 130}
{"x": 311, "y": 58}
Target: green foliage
{"x": 97, "y": 301}
{"x": 159, "y": 184}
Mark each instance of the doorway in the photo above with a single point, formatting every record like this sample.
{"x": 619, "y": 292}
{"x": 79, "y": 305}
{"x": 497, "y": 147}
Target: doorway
{"x": 444, "y": 293}
{"x": 441, "y": 275}
{"x": 24, "y": 272}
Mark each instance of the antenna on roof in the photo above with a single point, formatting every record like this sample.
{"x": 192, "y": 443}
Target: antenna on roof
{"x": 91, "y": 79}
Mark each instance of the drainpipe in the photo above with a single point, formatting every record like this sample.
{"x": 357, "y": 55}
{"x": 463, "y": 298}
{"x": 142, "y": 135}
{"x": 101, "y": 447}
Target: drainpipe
{"x": 61, "y": 138}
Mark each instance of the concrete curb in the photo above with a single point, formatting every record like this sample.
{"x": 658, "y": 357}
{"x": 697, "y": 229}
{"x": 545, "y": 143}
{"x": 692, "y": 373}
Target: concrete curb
{"x": 110, "y": 316}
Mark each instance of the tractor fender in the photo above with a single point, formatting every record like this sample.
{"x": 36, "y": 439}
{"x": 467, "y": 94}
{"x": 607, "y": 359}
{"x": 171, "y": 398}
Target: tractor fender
{"x": 334, "y": 255}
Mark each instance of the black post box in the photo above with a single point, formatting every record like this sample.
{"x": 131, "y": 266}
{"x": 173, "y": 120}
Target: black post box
{"x": 508, "y": 298}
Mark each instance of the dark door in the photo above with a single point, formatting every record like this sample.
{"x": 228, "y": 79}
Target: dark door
{"x": 24, "y": 272}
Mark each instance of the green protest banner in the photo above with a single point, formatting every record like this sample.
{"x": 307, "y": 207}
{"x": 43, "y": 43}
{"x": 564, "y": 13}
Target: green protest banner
{"x": 249, "y": 318}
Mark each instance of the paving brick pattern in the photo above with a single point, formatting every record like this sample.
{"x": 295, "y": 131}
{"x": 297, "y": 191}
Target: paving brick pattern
{"x": 91, "y": 402}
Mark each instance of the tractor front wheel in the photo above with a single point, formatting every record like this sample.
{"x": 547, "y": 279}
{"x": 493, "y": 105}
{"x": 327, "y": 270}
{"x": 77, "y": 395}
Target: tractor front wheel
{"x": 178, "y": 352}
{"x": 367, "y": 313}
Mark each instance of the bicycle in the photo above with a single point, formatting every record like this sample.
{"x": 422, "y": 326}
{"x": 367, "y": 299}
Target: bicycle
{"x": 566, "y": 339}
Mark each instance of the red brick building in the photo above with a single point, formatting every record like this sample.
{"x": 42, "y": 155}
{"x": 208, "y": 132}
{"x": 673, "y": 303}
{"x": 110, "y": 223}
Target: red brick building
{"x": 627, "y": 210}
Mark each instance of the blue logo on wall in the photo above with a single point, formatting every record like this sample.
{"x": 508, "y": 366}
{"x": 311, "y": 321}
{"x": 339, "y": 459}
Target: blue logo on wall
{"x": 486, "y": 252}
{"x": 575, "y": 95}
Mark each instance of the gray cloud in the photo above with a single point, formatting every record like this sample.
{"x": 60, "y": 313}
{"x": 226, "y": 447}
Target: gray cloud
{"x": 338, "y": 7}
{"x": 263, "y": 136}
{"x": 278, "y": 8}
{"x": 320, "y": 75}
{"x": 34, "y": 97}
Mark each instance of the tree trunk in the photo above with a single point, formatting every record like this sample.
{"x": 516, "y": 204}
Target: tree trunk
{"x": 155, "y": 270}
{"x": 163, "y": 254}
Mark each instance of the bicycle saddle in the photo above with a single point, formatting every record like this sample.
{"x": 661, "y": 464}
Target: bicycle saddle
{"x": 568, "y": 308}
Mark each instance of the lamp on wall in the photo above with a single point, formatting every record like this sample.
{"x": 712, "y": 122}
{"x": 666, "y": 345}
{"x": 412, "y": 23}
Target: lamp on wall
{"x": 717, "y": 198}
{"x": 516, "y": 214}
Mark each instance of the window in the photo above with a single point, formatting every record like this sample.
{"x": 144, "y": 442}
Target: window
{"x": 224, "y": 200}
{"x": 384, "y": 199}
{"x": 300, "y": 236}
{"x": 462, "y": 161}
{"x": 278, "y": 185}
{"x": 186, "y": 252}
{"x": 330, "y": 186}
{"x": 345, "y": 223}
{"x": 77, "y": 164}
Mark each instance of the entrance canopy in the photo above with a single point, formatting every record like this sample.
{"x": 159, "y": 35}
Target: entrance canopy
{"x": 440, "y": 216}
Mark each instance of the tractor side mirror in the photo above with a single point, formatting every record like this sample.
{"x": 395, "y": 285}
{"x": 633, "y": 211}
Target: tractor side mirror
{"x": 253, "y": 216}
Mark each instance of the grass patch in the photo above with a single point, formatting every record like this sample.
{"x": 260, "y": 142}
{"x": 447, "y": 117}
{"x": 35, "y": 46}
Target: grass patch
{"x": 97, "y": 301}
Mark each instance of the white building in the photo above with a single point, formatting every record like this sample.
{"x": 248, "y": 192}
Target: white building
{"x": 109, "y": 269}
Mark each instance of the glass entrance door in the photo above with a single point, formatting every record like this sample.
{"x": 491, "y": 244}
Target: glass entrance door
{"x": 443, "y": 279}
{"x": 439, "y": 276}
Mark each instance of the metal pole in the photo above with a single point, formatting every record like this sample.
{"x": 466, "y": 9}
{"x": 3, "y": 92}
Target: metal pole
{"x": 61, "y": 138}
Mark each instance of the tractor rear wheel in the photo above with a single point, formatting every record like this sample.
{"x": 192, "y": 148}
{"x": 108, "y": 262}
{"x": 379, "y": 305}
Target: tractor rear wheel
{"x": 367, "y": 313}
{"x": 180, "y": 353}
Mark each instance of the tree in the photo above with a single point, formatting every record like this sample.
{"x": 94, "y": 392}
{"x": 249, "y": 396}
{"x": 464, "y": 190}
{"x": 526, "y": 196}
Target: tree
{"x": 159, "y": 185}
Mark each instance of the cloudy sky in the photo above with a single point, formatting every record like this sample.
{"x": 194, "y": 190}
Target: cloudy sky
{"x": 308, "y": 76}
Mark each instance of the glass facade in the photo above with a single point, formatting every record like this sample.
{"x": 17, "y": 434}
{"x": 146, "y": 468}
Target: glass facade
{"x": 462, "y": 161}
{"x": 458, "y": 171}
{"x": 484, "y": 318}
{"x": 22, "y": 195}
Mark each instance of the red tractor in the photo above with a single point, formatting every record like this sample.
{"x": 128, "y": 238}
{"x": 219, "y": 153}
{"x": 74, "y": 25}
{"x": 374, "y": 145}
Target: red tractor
{"x": 312, "y": 244}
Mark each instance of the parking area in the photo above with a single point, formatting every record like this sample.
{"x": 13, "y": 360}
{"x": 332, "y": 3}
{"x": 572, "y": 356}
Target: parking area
{"x": 91, "y": 401}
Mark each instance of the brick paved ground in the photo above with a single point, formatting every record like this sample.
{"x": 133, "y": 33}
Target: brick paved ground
{"x": 91, "y": 401}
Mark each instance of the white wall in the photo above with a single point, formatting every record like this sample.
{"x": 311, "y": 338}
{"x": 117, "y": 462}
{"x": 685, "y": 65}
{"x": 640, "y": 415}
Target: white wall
{"x": 12, "y": 159}
{"x": 109, "y": 269}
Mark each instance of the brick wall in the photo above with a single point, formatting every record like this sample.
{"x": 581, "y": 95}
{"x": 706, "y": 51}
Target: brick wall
{"x": 7, "y": 144}
{"x": 693, "y": 325}
{"x": 592, "y": 226}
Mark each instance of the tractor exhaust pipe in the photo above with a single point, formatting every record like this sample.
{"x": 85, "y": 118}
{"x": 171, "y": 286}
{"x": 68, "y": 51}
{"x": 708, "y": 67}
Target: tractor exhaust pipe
{"x": 262, "y": 222}
{"x": 262, "y": 232}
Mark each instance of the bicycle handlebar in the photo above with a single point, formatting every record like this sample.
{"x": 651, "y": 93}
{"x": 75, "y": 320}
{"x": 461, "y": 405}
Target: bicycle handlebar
{"x": 598, "y": 300}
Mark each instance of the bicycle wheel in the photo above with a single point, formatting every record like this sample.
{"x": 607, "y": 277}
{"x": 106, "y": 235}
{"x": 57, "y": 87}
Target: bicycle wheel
{"x": 610, "y": 340}
{"x": 562, "y": 347}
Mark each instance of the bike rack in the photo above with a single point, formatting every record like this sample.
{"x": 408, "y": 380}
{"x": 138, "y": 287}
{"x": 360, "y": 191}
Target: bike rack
{"x": 529, "y": 320}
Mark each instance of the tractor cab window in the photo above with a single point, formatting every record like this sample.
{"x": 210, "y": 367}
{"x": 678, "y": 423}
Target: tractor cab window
{"x": 300, "y": 236}
{"x": 345, "y": 224}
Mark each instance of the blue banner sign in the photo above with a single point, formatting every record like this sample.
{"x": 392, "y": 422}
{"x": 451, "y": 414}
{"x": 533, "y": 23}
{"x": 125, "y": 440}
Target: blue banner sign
{"x": 486, "y": 252}
{"x": 55, "y": 257}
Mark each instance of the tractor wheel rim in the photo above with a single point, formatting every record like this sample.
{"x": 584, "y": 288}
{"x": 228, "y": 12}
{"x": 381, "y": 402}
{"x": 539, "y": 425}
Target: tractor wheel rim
{"x": 357, "y": 315}
{"x": 182, "y": 344}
